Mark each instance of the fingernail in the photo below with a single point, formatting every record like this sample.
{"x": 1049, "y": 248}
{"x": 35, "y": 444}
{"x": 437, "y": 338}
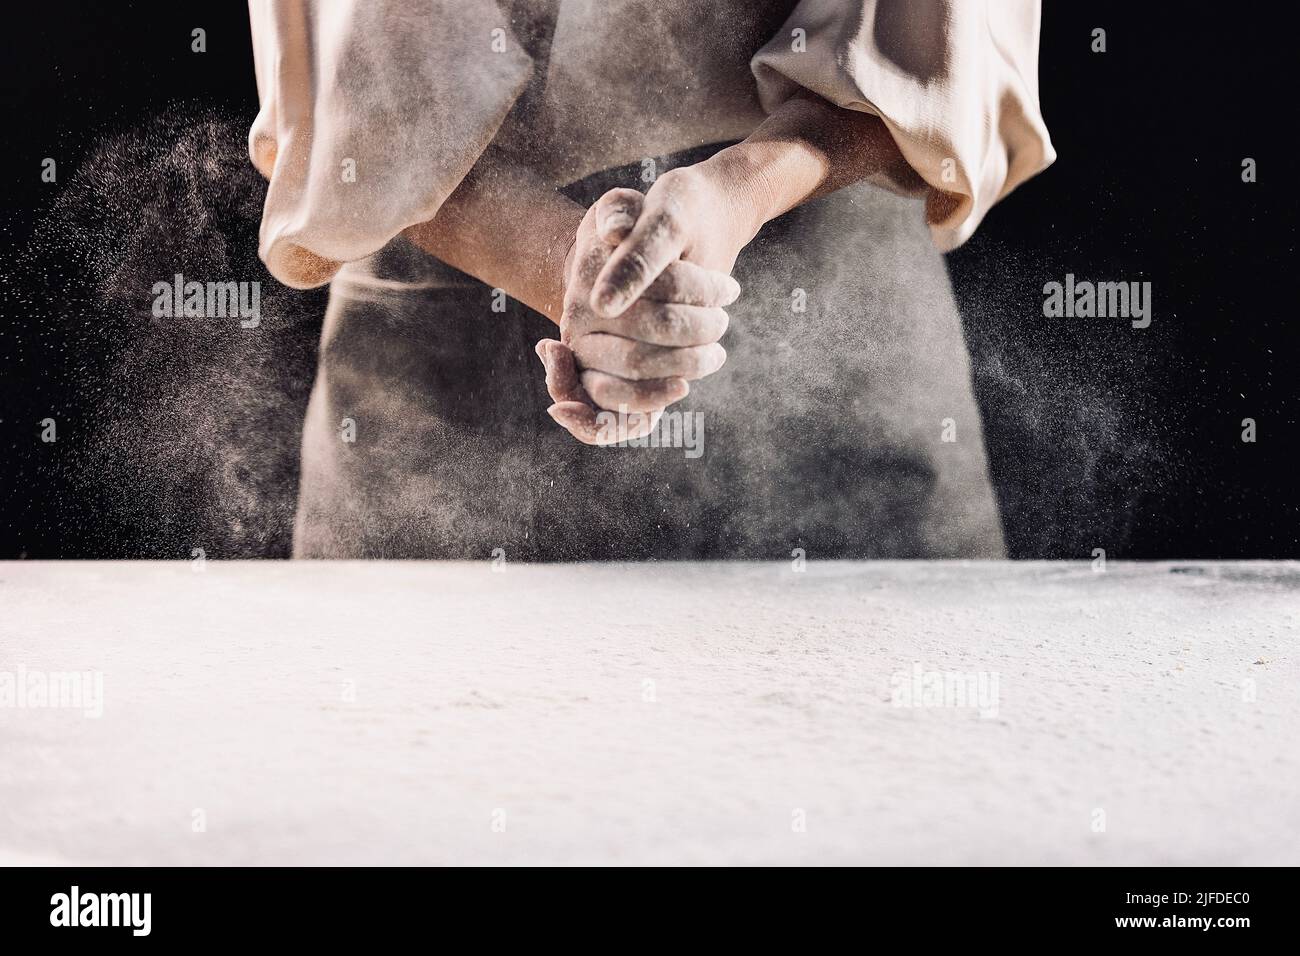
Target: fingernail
{"x": 566, "y": 419}
{"x": 540, "y": 349}
{"x": 618, "y": 221}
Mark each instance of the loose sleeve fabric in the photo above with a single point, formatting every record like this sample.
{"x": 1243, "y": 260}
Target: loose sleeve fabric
{"x": 371, "y": 114}
{"x": 955, "y": 82}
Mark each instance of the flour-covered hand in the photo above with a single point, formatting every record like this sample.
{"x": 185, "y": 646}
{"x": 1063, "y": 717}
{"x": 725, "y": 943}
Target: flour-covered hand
{"x": 613, "y": 372}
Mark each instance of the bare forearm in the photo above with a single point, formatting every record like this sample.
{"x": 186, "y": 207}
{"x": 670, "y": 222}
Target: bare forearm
{"x": 511, "y": 230}
{"x": 507, "y": 228}
{"x": 805, "y": 149}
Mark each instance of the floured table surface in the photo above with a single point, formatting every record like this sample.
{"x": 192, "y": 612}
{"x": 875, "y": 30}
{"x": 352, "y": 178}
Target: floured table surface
{"x": 282, "y": 713}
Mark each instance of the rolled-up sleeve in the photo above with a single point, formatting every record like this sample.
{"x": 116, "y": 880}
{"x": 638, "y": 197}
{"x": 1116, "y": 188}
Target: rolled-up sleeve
{"x": 371, "y": 114}
{"x": 954, "y": 81}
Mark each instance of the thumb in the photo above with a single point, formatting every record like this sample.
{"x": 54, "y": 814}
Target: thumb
{"x": 562, "y": 381}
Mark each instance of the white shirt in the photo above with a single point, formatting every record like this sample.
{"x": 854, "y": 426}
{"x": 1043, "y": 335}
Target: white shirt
{"x": 372, "y": 111}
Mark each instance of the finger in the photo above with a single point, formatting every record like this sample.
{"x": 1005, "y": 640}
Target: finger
{"x": 591, "y": 260}
{"x": 630, "y": 359}
{"x": 562, "y": 382}
{"x": 654, "y": 394}
{"x": 656, "y": 240}
{"x": 664, "y": 323}
{"x": 604, "y": 427}
{"x": 689, "y": 284}
{"x": 573, "y": 408}
{"x": 578, "y": 419}
{"x": 616, "y": 214}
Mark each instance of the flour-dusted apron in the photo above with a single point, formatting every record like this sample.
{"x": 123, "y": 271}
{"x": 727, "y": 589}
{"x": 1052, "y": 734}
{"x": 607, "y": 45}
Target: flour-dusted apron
{"x": 843, "y": 422}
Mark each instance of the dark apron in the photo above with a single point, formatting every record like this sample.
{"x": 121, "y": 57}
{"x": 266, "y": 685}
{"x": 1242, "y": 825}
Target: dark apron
{"x": 848, "y": 429}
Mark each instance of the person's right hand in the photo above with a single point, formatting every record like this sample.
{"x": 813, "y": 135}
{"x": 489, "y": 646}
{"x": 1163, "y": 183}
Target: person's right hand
{"x": 633, "y": 364}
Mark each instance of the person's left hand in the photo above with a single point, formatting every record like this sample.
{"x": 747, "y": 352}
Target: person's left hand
{"x": 697, "y": 214}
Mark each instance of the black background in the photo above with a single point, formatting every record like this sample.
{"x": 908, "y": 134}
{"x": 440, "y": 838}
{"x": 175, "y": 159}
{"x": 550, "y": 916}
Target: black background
{"x": 1098, "y": 435}
{"x": 345, "y": 907}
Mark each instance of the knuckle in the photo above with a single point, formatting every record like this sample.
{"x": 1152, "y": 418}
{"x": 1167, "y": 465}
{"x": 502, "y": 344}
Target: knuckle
{"x": 668, "y": 222}
{"x": 668, "y": 361}
{"x": 603, "y": 389}
{"x": 586, "y": 349}
{"x": 645, "y": 392}
{"x": 638, "y": 360}
{"x": 592, "y": 261}
{"x": 573, "y": 320}
{"x": 676, "y": 182}
{"x": 670, "y": 218}
{"x": 667, "y": 286}
{"x": 672, "y": 321}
